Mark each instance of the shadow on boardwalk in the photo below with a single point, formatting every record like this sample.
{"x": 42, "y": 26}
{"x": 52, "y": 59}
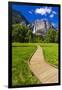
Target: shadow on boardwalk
{"x": 41, "y": 69}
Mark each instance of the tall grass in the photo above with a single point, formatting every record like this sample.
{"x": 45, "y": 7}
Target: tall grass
{"x": 21, "y": 74}
{"x": 51, "y": 53}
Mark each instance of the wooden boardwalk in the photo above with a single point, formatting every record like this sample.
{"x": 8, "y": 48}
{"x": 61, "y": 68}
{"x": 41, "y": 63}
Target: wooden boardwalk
{"x": 41, "y": 69}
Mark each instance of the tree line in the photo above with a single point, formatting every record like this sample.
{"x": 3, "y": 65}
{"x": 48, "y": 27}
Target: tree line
{"x": 21, "y": 33}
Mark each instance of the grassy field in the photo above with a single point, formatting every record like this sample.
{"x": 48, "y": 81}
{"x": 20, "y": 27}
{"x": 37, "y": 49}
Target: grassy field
{"x": 21, "y": 74}
{"x": 51, "y": 53}
{"x": 21, "y": 53}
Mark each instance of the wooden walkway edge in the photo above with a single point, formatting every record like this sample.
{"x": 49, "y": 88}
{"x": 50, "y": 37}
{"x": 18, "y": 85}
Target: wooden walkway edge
{"x": 41, "y": 69}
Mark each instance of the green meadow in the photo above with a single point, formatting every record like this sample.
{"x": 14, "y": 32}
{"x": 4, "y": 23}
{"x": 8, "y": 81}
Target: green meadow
{"x": 21, "y": 74}
{"x": 51, "y": 53}
{"x": 21, "y": 54}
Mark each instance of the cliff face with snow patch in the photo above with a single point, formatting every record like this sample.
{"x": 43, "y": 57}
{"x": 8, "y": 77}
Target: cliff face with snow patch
{"x": 40, "y": 27}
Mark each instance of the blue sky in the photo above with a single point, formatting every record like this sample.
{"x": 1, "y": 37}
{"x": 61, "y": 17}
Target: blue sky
{"x": 38, "y": 12}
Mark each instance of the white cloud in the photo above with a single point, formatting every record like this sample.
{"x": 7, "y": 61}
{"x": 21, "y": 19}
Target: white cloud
{"x": 43, "y": 11}
{"x": 40, "y": 11}
{"x": 30, "y": 12}
{"x": 52, "y": 15}
{"x": 53, "y": 12}
{"x": 48, "y": 10}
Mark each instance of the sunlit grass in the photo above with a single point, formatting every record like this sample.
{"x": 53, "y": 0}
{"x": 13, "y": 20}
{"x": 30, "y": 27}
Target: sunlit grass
{"x": 21, "y": 74}
{"x": 51, "y": 53}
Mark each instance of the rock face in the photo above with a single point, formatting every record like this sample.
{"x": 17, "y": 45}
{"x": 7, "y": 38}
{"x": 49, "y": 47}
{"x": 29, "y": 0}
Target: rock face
{"x": 17, "y": 17}
{"x": 40, "y": 27}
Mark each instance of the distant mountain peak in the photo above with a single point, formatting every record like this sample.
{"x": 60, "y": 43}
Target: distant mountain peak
{"x": 41, "y": 26}
{"x": 18, "y": 17}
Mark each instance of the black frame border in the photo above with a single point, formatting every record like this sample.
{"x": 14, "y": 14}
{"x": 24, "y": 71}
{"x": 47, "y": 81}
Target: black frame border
{"x": 10, "y": 45}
